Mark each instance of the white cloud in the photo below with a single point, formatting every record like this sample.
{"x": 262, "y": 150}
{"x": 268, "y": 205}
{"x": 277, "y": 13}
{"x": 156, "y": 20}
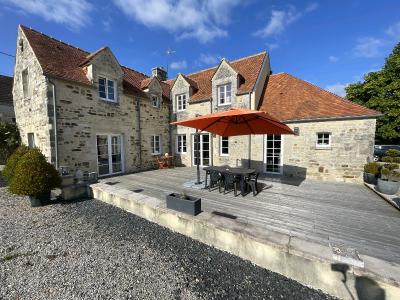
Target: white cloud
{"x": 369, "y": 47}
{"x": 202, "y": 20}
{"x": 272, "y": 46}
{"x": 333, "y": 58}
{"x": 394, "y": 31}
{"x": 338, "y": 89}
{"x": 209, "y": 59}
{"x": 107, "y": 24}
{"x": 281, "y": 19}
{"x": 179, "y": 65}
{"x": 72, "y": 13}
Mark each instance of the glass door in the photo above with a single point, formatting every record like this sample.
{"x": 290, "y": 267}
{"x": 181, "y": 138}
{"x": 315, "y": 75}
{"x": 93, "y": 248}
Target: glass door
{"x": 109, "y": 154}
{"x": 205, "y": 157}
{"x": 273, "y": 153}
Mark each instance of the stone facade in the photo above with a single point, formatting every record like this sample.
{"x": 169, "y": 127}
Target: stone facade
{"x": 81, "y": 115}
{"x": 32, "y": 112}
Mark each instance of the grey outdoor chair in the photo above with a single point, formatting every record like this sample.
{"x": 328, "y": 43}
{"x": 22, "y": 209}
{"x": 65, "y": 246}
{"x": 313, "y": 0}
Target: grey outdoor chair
{"x": 215, "y": 179}
{"x": 230, "y": 180}
{"x": 251, "y": 181}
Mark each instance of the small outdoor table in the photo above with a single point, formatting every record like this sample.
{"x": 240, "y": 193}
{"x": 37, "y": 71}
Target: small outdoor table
{"x": 239, "y": 172}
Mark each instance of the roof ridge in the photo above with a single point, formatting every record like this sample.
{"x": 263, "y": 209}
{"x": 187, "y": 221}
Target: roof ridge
{"x": 52, "y": 38}
{"x": 230, "y": 61}
{"x": 130, "y": 69}
{"x": 324, "y": 90}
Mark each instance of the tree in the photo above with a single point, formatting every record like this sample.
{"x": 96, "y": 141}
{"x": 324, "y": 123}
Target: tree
{"x": 381, "y": 91}
{"x": 9, "y": 140}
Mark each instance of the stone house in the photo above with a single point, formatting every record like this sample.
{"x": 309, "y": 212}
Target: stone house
{"x": 86, "y": 111}
{"x": 6, "y": 99}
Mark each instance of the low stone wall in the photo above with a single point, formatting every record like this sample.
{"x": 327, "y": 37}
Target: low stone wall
{"x": 307, "y": 262}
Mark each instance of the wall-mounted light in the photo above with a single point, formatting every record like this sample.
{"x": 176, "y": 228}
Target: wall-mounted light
{"x": 296, "y": 131}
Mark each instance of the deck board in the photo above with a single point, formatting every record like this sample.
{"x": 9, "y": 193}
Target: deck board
{"x": 320, "y": 211}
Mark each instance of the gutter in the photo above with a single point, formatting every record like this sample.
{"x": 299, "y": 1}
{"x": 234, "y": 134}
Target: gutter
{"x": 54, "y": 122}
{"x": 139, "y": 131}
{"x": 332, "y": 119}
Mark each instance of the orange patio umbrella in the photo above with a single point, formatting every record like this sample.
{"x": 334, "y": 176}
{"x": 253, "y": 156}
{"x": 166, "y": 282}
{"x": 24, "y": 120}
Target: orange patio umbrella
{"x": 237, "y": 121}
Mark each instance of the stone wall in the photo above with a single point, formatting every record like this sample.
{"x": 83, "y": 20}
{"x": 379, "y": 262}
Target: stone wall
{"x": 32, "y": 112}
{"x": 352, "y": 146}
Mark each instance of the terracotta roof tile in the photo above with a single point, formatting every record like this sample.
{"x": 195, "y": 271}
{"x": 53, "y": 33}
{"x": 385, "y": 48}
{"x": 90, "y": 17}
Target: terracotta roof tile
{"x": 248, "y": 67}
{"x": 289, "y": 98}
{"x": 64, "y": 61}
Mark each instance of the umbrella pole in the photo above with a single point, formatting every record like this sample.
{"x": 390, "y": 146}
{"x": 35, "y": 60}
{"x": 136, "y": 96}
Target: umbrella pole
{"x": 197, "y": 136}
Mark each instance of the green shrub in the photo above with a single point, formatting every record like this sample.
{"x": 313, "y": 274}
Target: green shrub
{"x": 372, "y": 167}
{"x": 393, "y": 153}
{"x": 9, "y": 140}
{"x": 387, "y": 159}
{"x": 12, "y": 161}
{"x": 391, "y": 167}
{"x": 33, "y": 175}
{"x": 385, "y": 171}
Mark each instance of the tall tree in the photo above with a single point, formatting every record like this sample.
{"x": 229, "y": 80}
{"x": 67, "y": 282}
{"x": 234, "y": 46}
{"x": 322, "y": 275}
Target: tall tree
{"x": 381, "y": 91}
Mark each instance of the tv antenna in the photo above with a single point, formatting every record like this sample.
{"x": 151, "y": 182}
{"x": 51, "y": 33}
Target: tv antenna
{"x": 169, "y": 52}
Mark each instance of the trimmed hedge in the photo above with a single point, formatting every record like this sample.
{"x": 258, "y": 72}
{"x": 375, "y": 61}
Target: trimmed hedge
{"x": 12, "y": 161}
{"x": 33, "y": 175}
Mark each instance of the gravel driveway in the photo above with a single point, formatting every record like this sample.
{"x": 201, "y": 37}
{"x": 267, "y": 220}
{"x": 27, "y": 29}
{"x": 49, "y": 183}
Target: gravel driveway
{"x": 91, "y": 250}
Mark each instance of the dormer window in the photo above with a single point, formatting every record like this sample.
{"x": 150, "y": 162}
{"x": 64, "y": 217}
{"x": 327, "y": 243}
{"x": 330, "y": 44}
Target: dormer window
{"x": 107, "y": 89}
{"x": 224, "y": 94}
{"x": 181, "y": 102}
{"x": 155, "y": 101}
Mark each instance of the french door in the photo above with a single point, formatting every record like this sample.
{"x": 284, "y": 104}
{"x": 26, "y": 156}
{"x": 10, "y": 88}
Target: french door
{"x": 273, "y": 153}
{"x": 205, "y": 157}
{"x": 109, "y": 154}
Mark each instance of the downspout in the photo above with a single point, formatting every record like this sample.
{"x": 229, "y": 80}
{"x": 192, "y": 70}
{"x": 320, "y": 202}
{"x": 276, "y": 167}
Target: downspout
{"x": 249, "y": 160}
{"x": 139, "y": 129}
{"x": 54, "y": 122}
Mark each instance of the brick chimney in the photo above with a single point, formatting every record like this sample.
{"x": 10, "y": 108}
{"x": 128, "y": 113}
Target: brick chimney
{"x": 160, "y": 73}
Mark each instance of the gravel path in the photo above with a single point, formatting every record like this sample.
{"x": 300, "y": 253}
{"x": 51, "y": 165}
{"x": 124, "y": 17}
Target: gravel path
{"x": 91, "y": 250}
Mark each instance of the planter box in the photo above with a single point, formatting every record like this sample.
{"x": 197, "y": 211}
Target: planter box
{"x": 388, "y": 187}
{"x": 370, "y": 178}
{"x": 40, "y": 200}
{"x": 191, "y": 206}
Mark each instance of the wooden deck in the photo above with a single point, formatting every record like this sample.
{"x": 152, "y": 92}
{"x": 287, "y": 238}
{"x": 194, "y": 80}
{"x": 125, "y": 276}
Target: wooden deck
{"x": 336, "y": 213}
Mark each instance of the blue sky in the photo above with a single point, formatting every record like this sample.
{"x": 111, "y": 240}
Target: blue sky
{"x": 329, "y": 43}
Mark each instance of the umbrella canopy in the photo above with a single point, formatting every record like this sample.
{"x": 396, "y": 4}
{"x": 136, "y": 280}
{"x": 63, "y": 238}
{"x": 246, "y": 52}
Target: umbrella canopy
{"x": 237, "y": 121}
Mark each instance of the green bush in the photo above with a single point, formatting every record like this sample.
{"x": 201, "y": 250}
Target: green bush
{"x": 33, "y": 175}
{"x": 9, "y": 140}
{"x": 12, "y": 161}
{"x": 393, "y": 153}
{"x": 372, "y": 167}
{"x": 391, "y": 167}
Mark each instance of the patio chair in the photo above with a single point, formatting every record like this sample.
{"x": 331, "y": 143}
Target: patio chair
{"x": 215, "y": 179}
{"x": 251, "y": 181}
{"x": 231, "y": 180}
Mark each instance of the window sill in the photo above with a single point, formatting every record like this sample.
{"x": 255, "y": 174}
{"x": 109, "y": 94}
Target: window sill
{"x": 225, "y": 104}
{"x": 323, "y": 147}
{"x": 108, "y": 101}
{"x": 224, "y": 155}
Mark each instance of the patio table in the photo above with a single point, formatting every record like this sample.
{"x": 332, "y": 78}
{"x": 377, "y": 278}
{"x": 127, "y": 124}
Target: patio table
{"x": 237, "y": 171}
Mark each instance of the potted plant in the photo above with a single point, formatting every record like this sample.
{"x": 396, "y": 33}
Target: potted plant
{"x": 371, "y": 172}
{"x": 184, "y": 203}
{"x": 34, "y": 177}
{"x": 389, "y": 183}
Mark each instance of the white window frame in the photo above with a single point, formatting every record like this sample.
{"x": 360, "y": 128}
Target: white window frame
{"x": 220, "y": 146}
{"x": 180, "y": 144}
{"x": 323, "y": 146}
{"x": 223, "y": 88}
{"x": 155, "y": 99}
{"x": 109, "y": 146}
{"x": 107, "y": 80}
{"x": 181, "y": 98}
{"x": 153, "y": 143}
{"x": 25, "y": 82}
